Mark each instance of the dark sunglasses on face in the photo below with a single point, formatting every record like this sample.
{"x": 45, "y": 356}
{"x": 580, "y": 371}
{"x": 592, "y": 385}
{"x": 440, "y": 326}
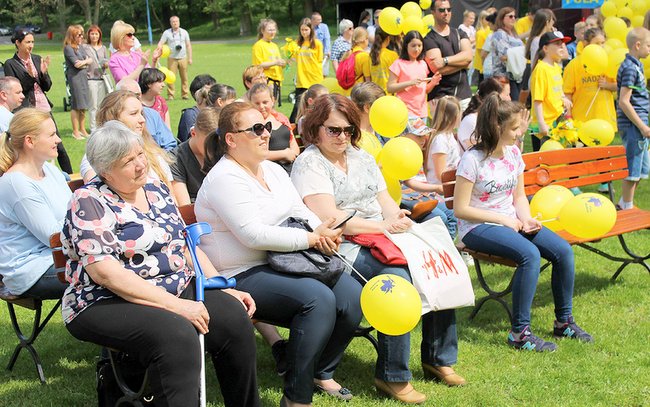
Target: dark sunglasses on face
{"x": 444, "y": 10}
{"x": 130, "y": 34}
{"x": 336, "y": 131}
{"x": 258, "y": 128}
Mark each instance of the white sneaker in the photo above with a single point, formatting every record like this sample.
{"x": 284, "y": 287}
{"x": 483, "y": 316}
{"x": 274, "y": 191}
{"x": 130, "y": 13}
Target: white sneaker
{"x": 469, "y": 260}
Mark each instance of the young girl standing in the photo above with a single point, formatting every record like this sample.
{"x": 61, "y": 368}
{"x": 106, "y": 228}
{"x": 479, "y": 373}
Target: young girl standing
{"x": 267, "y": 54}
{"x": 494, "y": 214}
{"x": 408, "y": 76}
{"x": 309, "y": 63}
{"x": 381, "y": 58}
{"x": 546, "y": 92}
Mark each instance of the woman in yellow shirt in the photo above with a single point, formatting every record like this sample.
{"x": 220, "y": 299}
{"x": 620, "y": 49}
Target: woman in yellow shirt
{"x": 362, "y": 58}
{"x": 267, "y": 54}
{"x": 481, "y": 35}
{"x": 381, "y": 58}
{"x": 309, "y": 63}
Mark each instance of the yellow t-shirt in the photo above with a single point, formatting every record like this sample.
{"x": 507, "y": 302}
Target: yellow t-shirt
{"x": 265, "y": 51}
{"x": 379, "y": 73}
{"x": 481, "y": 36}
{"x": 309, "y": 65}
{"x": 584, "y": 88}
{"x": 361, "y": 64}
{"x": 546, "y": 86}
{"x": 523, "y": 25}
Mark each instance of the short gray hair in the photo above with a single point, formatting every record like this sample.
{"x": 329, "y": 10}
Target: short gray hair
{"x": 5, "y": 83}
{"x": 108, "y": 144}
{"x": 344, "y": 25}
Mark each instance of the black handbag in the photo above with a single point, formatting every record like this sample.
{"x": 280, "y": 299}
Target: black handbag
{"x": 308, "y": 262}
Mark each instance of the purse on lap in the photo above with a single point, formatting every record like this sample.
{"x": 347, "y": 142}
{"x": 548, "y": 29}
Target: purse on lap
{"x": 306, "y": 263}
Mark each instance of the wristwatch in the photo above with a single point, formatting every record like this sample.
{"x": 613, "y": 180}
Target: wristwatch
{"x": 445, "y": 60}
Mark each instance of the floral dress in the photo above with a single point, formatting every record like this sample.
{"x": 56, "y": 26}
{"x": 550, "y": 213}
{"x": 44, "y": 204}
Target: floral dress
{"x": 100, "y": 225}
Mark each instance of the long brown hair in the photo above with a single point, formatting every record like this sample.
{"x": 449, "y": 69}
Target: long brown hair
{"x": 312, "y": 36}
{"x": 445, "y": 117}
{"x": 492, "y": 116}
{"x": 71, "y": 36}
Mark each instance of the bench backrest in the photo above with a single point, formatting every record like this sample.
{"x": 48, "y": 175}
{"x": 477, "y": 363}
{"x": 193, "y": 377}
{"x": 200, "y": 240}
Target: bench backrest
{"x": 187, "y": 213}
{"x": 571, "y": 167}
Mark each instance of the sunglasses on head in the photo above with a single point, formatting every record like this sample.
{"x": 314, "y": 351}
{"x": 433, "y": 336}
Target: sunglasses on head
{"x": 444, "y": 9}
{"x": 130, "y": 34}
{"x": 333, "y": 131}
{"x": 258, "y": 128}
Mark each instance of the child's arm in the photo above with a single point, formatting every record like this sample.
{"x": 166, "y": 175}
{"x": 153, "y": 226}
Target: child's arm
{"x": 628, "y": 110}
{"x": 421, "y": 186}
{"x": 539, "y": 114}
{"x": 522, "y": 207}
{"x": 604, "y": 83}
{"x": 393, "y": 86}
{"x": 463, "y": 210}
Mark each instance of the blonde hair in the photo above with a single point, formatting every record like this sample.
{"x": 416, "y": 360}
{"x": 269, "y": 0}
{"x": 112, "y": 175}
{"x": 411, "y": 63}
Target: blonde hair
{"x": 445, "y": 118}
{"x": 313, "y": 92}
{"x": 70, "y": 35}
{"x": 262, "y": 26}
{"x": 359, "y": 35}
{"x": 207, "y": 120}
{"x": 111, "y": 108}
{"x": 25, "y": 122}
{"x": 482, "y": 22}
{"x": 118, "y": 32}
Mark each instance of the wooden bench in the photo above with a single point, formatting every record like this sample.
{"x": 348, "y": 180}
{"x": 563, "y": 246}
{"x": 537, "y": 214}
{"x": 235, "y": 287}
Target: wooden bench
{"x": 575, "y": 167}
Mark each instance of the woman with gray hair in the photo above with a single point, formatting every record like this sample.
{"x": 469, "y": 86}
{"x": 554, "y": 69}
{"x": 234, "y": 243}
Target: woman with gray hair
{"x": 128, "y": 258}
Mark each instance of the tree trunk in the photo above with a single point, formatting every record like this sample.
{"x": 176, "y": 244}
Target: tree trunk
{"x": 214, "y": 16}
{"x": 155, "y": 16}
{"x": 61, "y": 14}
{"x": 245, "y": 20}
{"x": 98, "y": 6}
{"x": 85, "y": 6}
{"x": 308, "y": 7}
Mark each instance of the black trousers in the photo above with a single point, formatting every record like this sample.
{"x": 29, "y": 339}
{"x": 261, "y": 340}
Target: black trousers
{"x": 169, "y": 345}
{"x": 63, "y": 159}
{"x": 298, "y": 102}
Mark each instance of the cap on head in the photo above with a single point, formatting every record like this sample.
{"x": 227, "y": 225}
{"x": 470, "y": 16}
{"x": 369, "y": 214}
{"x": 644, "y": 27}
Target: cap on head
{"x": 553, "y": 36}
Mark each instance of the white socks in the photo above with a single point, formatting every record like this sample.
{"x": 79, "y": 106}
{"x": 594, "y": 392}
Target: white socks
{"x": 625, "y": 205}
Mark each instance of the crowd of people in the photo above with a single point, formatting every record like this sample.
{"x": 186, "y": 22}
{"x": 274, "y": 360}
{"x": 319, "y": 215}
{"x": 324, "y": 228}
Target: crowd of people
{"x": 239, "y": 161}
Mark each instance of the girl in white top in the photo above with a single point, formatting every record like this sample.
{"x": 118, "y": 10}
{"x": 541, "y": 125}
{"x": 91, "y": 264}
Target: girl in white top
{"x": 442, "y": 150}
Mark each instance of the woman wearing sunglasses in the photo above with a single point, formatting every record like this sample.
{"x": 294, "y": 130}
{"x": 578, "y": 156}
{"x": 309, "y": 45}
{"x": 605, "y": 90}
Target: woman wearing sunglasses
{"x": 127, "y": 62}
{"x": 504, "y": 38}
{"x": 245, "y": 197}
{"x": 333, "y": 175}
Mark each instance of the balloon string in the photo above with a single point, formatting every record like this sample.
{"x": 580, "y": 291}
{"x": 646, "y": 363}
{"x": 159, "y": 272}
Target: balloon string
{"x": 548, "y": 220}
{"x": 592, "y": 103}
{"x": 347, "y": 263}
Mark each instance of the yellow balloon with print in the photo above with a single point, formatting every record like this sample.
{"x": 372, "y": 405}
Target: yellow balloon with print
{"x": 388, "y": 116}
{"x": 411, "y": 8}
{"x": 547, "y": 203}
{"x": 391, "y": 304}
{"x": 428, "y": 22}
{"x": 370, "y": 144}
{"x": 639, "y": 7}
{"x": 390, "y": 20}
{"x": 588, "y": 215}
{"x": 412, "y": 23}
{"x": 551, "y": 145}
{"x": 596, "y": 132}
{"x": 595, "y": 60}
{"x": 401, "y": 158}
{"x": 608, "y": 9}
{"x": 165, "y": 51}
{"x": 425, "y": 4}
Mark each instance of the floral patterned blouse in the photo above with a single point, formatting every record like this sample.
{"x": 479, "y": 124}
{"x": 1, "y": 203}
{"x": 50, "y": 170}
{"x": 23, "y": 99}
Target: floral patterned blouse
{"x": 100, "y": 225}
{"x": 495, "y": 182}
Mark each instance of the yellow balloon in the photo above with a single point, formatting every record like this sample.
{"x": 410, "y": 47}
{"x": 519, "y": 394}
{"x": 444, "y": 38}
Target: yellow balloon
{"x": 391, "y": 304}
{"x": 425, "y": 4}
{"x": 410, "y": 8}
{"x": 401, "y": 158}
{"x": 394, "y": 188}
{"x": 620, "y": 3}
{"x": 625, "y": 12}
{"x": 588, "y": 215}
{"x": 170, "y": 77}
{"x": 388, "y": 116}
{"x": 165, "y": 51}
{"x": 390, "y": 20}
{"x": 615, "y": 27}
{"x": 333, "y": 86}
{"x": 596, "y": 132}
{"x": 616, "y": 57}
{"x": 594, "y": 59}
{"x": 412, "y": 23}
{"x": 551, "y": 145}
{"x": 637, "y": 21}
{"x": 615, "y": 43}
{"x": 646, "y": 67}
{"x": 370, "y": 143}
{"x": 639, "y": 8}
{"x": 547, "y": 203}
{"x": 428, "y": 22}
{"x": 608, "y": 9}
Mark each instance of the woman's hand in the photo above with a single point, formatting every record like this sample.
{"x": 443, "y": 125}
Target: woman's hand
{"x": 144, "y": 58}
{"x": 280, "y": 62}
{"x": 245, "y": 298}
{"x": 289, "y": 155}
{"x": 436, "y": 78}
{"x": 193, "y": 311}
{"x": 45, "y": 63}
{"x": 531, "y": 226}
{"x": 328, "y": 240}
{"x": 400, "y": 223}
{"x": 514, "y": 224}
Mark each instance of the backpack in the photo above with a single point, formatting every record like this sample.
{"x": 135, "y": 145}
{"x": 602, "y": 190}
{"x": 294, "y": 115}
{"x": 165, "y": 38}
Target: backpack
{"x": 345, "y": 72}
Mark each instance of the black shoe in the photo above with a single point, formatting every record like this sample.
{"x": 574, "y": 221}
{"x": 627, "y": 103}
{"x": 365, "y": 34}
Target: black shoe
{"x": 279, "y": 352}
{"x": 571, "y": 330}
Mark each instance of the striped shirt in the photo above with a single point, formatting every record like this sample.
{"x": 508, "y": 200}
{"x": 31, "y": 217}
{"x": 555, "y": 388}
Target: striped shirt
{"x": 631, "y": 75}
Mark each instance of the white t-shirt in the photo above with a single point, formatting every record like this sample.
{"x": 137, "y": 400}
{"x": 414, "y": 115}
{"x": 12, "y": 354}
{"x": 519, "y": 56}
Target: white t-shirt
{"x": 495, "y": 182}
{"x": 244, "y": 216}
{"x": 175, "y": 38}
{"x": 442, "y": 143}
{"x": 5, "y": 118}
{"x": 466, "y": 131}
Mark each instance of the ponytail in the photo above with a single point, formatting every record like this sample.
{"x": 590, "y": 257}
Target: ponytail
{"x": 493, "y": 115}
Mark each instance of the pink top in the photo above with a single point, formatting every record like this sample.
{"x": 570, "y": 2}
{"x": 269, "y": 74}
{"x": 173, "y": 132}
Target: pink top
{"x": 122, "y": 65}
{"x": 41, "y": 102}
{"x": 415, "y": 97}
{"x": 160, "y": 106}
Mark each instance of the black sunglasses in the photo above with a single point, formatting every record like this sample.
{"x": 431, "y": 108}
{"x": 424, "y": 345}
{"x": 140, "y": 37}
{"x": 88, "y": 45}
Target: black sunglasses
{"x": 443, "y": 9}
{"x": 336, "y": 131}
{"x": 258, "y": 128}
{"x": 130, "y": 34}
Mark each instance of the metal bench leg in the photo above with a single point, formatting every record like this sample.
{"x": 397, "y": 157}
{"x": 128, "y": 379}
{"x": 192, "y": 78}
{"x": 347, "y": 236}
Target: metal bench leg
{"x": 492, "y": 294}
{"x": 365, "y": 332}
{"x": 632, "y": 259}
{"x": 27, "y": 342}
{"x": 131, "y": 397}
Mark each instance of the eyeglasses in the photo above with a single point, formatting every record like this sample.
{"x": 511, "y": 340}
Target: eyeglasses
{"x": 336, "y": 131}
{"x": 258, "y": 128}
{"x": 130, "y": 34}
{"x": 444, "y": 10}
{"x": 80, "y": 35}
{"x": 510, "y": 16}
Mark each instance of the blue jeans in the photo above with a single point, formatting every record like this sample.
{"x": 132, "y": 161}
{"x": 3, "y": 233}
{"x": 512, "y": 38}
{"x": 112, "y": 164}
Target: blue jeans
{"x": 445, "y": 214}
{"x": 321, "y": 320}
{"x": 636, "y": 153}
{"x": 439, "y": 340}
{"x": 527, "y": 250}
{"x": 48, "y": 287}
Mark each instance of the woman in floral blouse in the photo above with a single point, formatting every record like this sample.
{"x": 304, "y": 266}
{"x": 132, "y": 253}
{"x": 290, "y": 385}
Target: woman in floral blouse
{"x": 131, "y": 284}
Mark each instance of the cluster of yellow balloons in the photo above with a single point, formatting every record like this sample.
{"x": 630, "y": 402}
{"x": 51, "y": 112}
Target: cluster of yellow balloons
{"x": 391, "y": 304}
{"x": 170, "y": 77}
{"x": 596, "y": 132}
{"x": 407, "y": 18}
{"x": 585, "y": 215}
{"x": 631, "y": 9}
{"x": 165, "y": 51}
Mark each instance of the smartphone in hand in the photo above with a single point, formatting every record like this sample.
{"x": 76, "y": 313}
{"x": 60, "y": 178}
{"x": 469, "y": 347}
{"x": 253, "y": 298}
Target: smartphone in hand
{"x": 340, "y": 223}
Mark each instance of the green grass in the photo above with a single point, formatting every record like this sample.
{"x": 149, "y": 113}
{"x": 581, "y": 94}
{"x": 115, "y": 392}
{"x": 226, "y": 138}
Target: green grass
{"x": 615, "y": 370}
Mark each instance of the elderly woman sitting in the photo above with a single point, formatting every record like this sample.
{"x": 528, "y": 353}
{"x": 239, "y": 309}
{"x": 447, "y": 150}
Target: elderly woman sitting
{"x": 131, "y": 282}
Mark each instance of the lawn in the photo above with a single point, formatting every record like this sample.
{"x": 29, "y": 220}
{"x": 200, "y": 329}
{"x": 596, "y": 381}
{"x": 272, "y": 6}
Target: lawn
{"x": 615, "y": 370}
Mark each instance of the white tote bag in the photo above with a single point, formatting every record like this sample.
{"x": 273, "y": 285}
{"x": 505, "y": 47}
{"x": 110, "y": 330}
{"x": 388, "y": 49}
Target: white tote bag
{"x": 438, "y": 272}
